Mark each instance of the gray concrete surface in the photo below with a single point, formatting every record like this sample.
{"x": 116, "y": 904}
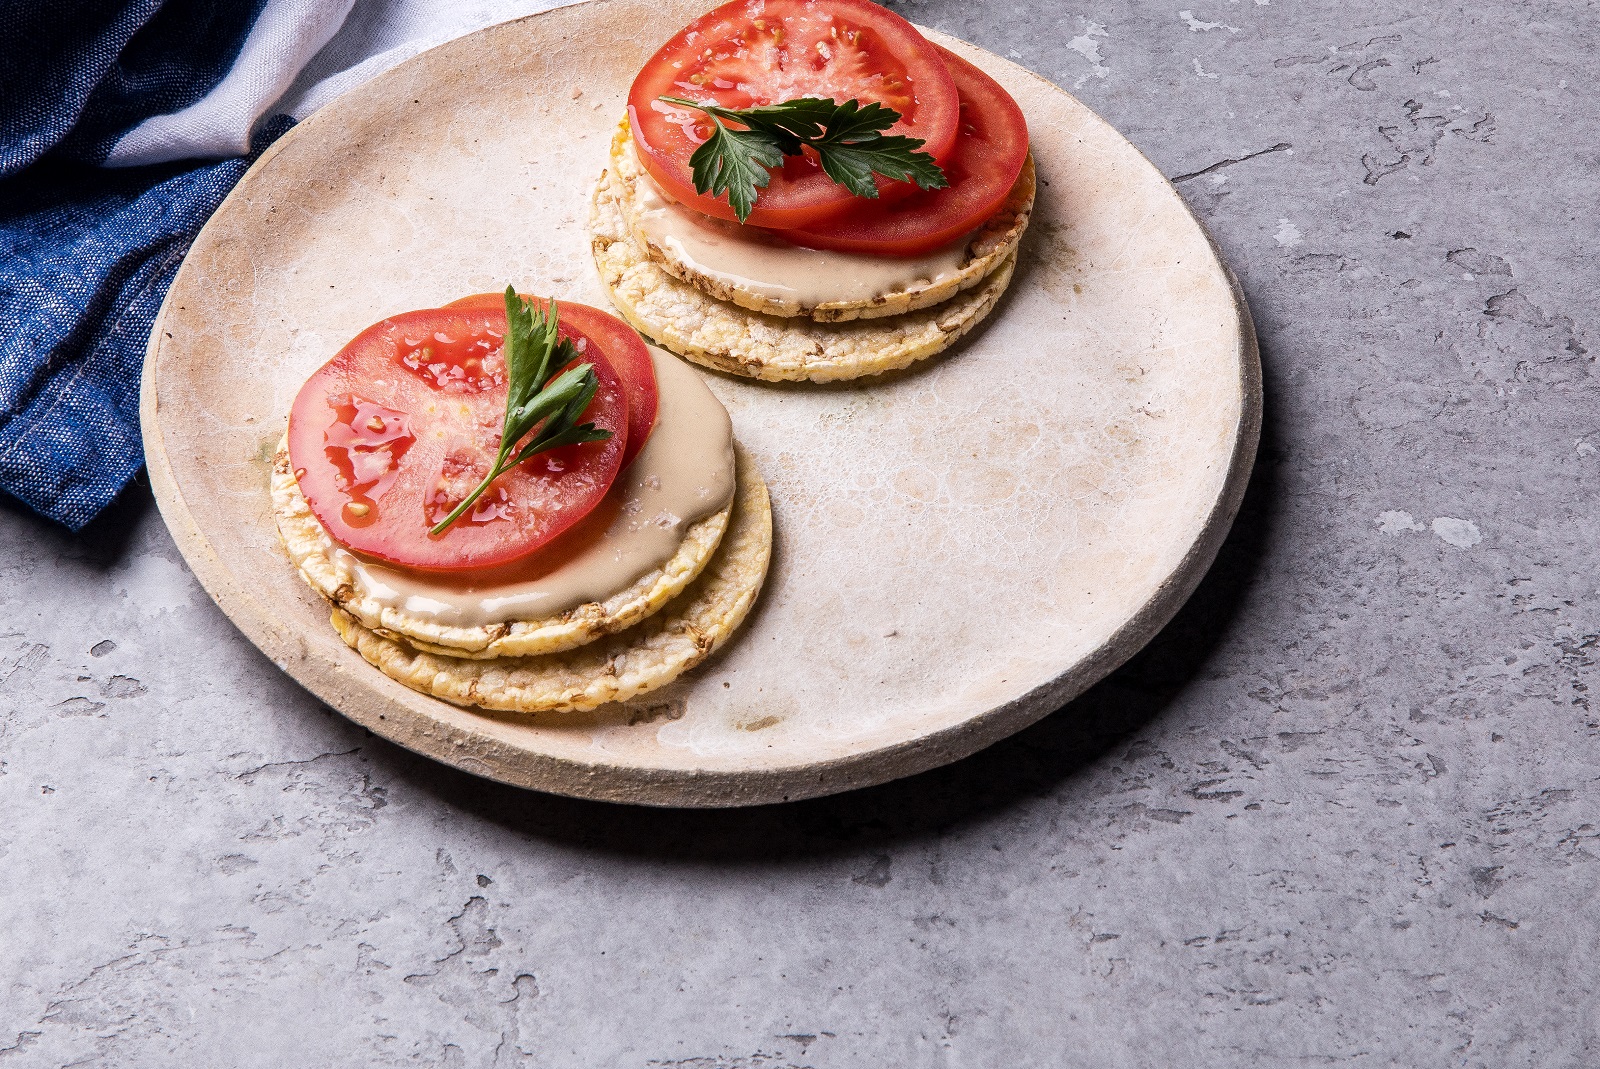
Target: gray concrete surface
{"x": 1344, "y": 809}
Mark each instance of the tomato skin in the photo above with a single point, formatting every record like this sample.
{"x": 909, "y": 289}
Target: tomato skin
{"x": 625, "y": 352}
{"x": 987, "y": 159}
{"x": 387, "y": 436}
{"x": 734, "y": 56}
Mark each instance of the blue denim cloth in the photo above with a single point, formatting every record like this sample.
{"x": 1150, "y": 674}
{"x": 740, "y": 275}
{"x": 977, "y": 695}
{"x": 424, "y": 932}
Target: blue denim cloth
{"x": 87, "y": 253}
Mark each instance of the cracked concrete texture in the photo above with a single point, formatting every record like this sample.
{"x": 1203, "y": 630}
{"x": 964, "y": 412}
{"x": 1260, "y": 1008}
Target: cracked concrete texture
{"x": 1344, "y": 809}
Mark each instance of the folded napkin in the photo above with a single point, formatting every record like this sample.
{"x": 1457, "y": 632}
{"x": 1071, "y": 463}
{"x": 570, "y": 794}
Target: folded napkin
{"x": 123, "y": 124}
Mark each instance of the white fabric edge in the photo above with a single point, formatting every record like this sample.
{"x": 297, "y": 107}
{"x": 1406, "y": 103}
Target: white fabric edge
{"x": 284, "y": 38}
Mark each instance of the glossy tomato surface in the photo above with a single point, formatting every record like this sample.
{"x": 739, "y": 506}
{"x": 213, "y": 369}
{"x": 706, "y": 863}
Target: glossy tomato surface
{"x": 624, "y": 350}
{"x": 393, "y": 432}
{"x": 753, "y": 52}
{"x": 988, "y": 156}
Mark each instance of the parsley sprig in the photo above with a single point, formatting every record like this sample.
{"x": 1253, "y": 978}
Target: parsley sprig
{"x": 536, "y": 395}
{"x": 848, "y": 138}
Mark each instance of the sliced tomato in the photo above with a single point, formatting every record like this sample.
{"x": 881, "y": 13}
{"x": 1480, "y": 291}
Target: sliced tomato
{"x": 624, "y": 349}
{"x": 753, "y": 52}
{"x": 394, "y": 432}
{"x": 988, "y": 157}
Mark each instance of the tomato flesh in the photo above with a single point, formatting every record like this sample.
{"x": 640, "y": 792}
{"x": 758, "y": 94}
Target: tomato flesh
{"x": 392, "y": 433}
{"x": 625, "y": 352}
{"x": 753, "y": 52}
{"x": 987, "y": 159}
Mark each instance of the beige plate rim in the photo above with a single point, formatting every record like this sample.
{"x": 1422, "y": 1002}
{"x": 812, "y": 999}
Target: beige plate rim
{"x": 344, "y": 690}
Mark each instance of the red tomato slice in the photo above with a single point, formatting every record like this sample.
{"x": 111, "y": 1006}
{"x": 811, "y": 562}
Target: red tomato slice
{"x": 625, "y": 352}
{"x": 987, "y": 159}
{"x": 754, "y": 52}
{"x": 393, "y": 432}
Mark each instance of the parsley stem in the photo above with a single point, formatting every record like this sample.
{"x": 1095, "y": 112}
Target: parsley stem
{"x": 467, "y": 502}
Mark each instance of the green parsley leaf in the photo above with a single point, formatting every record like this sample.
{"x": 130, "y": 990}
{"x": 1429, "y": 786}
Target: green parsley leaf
{"x": 536, "y": 396}
{"x": 735, "y": 162}
{"x": 848, "y": 138}
{"x": 854, "y": 121}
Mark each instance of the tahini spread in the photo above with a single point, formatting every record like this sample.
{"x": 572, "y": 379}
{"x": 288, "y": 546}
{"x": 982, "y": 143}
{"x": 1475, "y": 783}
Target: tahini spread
{"x": 794, "y": 277}
{"x": 683, "y": 474}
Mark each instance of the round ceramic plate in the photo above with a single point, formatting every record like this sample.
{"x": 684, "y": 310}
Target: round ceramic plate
{"x": 960, "y": 548}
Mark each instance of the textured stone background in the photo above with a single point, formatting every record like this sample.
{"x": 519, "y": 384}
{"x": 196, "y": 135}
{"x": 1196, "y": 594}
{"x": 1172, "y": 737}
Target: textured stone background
{"x": 1343, "y": 809}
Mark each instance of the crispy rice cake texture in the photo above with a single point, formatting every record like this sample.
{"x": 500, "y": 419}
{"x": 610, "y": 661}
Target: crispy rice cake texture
{"x": 616, "y": 667}
{"x": 312, "y": 551}
{"x": 986, "y": 250}
{"x": 725, "y": 337}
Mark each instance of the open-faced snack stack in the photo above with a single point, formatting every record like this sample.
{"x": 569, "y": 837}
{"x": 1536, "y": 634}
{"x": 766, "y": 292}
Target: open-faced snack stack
{"x": 810, "y": 189}
{"x": 520, "y": 505}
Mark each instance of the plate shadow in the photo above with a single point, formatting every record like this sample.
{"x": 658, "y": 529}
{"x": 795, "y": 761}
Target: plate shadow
{"x": 1032, "y": 763}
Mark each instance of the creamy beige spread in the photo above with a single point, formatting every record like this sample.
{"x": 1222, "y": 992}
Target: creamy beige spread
{"x": 683, "y": 474}
{"x": 794, "y": 277}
